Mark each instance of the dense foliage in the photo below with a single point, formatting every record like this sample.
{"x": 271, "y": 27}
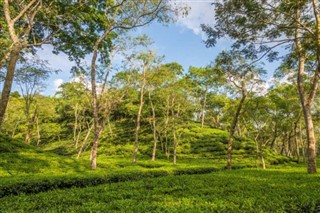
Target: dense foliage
{"x": 276, "y": 190}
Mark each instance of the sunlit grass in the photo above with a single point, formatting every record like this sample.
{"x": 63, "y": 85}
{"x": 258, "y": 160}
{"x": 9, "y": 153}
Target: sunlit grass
{"x": 246, "y": 190}
{"x": 51, "y": 179}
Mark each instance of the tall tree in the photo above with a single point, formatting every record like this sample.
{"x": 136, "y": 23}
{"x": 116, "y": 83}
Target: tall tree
{"x": 74, "y": 108}
{"x": 30, "y": 78}
{"x": 181, "y": 110}
{"x": 147, "y": 59}
{"x": 70, "y": 26}
{"x": 206, "y": 79}
{"x": 162, "y": 77}
{"x": 121, "y": 15}
{"x": 15, "y": 13}
{"x": 242, "y": 78}
{"x": 263, "y": 26}
{"x": 173, "y": 74}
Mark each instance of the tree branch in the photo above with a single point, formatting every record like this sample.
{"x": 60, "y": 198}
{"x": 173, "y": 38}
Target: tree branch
{"x": 24, "y": 10}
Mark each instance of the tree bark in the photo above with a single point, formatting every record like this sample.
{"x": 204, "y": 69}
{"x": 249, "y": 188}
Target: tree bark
{"x": 167, "y": 150}
{"x": 174, "y": 147}
{"x": 232, "y": 130}
{"x": 302, "y": 143}
{"x": 27, "y": 138}
{"x": 312, "y": 167}
{"x": 138, "y": 120}
{"x": 38, "y": 131}
{"x": 13, "y": 55}
{"x": 296, "y": 141}
{"x": 257, "y": 151}
{"x": 174, "y": 130}
{"x": 13, "y": 59}
{"x": 95, "y": 109}
{"x": 75, "y": 127}
{"x": 262, "y": 159}
{"x": 204, "y": 107}
{"x": 84, "y": 141}
{"x": 154, "y": 128}
{"x": 95, "y": 106}
{"x": 28, "y": 102}
{"x": 307, "y": 103}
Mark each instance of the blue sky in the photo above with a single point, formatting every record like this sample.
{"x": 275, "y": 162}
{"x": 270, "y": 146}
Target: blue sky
{"x": 181, "y": 42}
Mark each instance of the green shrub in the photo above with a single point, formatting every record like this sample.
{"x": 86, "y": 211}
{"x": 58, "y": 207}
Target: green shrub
{"x": 248, "y": 190}
{"x": 7, "y": 144}
{"x": 33, "y": 184}
{"x": 190, "y": 171}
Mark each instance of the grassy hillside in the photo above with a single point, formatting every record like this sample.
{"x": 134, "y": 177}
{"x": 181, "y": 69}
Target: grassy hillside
{"x": 198, "y": 147}
{"x": 194, "y": 142}
{"x": 17, "y": 159}
{"x": 51, "y": 179}
{"x": 212, "y": 143}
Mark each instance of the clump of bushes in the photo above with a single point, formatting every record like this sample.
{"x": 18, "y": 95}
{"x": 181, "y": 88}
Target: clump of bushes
{"x": 213, "y": 142}
{"x": 7, "y": 144}
{"x": 33, "y": 184}
{"x": 247, "y": 190}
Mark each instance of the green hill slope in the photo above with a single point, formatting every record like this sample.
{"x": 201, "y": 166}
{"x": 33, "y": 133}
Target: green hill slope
{"x": 197, "y": 147}
{"x": 17, "y": 158}
{"x": 212, "y": 143}
{"x": 27, "y": 169}
{"x": 194, "y": 142}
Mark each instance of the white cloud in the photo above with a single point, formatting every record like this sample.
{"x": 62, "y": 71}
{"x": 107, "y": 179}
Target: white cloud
{"x": 57, "y": 83}
{"x": 201, "y": 12}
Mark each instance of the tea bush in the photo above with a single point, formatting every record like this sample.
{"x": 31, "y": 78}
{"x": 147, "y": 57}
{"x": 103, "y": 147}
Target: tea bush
{"x": 247, "y": 190}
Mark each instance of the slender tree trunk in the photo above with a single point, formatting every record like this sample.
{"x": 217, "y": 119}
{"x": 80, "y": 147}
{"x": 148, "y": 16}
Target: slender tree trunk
{"x": 38, "y": 131}
{"x": 27, "y": 113}
{"x": 95, "y": 105}
{"x": 166, "y": 130}
{"x": 154, "y": 128}
{"x": 28, "y": 136}
{"x": 288, "y": 145}
{"x": 174, "y": 147}
{"x": 239, "y": 130}
{"x": 204, "y": 108}
{"x": 75, "y": 127}
{"x": 232, "y": 130}
{"x": 262, "y": 158}
{"x": 84, "y": 141}
{"x": 13, "y": 59}
{"x": 138, "y": 120}
{"x": 95, "y": 110}
{"x": 296, "y": 141}
{"x": 257, "y": 153}
{"x": 174, "y": 131}
{"x": 312, "y": 167}
{"x": 78, "y": 136}
{"x": 302, "y": 144}
{"x": 307, "y": 103}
